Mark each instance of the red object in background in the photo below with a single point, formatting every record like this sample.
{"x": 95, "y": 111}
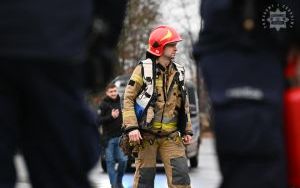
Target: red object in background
{"x": 292, "y": 134}
{"x": 292, "y": 121}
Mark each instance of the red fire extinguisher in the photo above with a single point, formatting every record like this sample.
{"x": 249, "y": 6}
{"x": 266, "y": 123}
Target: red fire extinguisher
{"x": 292, "y": 119}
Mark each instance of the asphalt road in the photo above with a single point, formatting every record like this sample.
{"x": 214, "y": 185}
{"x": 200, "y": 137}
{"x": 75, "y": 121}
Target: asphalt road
{"x": 205, "y": 176}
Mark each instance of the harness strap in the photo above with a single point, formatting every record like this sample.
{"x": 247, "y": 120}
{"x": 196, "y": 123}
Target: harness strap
{"x": 158, "y": 135}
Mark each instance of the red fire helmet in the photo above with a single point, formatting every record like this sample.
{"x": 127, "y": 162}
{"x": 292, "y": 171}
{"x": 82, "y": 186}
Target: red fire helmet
{"x": 159, "y": 37}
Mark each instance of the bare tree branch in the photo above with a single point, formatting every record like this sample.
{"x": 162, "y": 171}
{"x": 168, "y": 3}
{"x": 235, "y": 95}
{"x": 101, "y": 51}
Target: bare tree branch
{"x": 141, "y": 15}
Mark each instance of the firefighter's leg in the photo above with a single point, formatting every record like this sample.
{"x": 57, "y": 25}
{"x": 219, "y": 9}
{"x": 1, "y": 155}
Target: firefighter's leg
{"x": 172, "y": 152}
{"x": 145, "y": 165}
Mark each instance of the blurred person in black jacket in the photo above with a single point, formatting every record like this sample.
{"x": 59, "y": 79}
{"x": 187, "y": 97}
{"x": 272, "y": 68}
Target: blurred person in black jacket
{"x": 110, "y": 118}
{"x": 42, "y": 79}
{"x": 241, "y": 53}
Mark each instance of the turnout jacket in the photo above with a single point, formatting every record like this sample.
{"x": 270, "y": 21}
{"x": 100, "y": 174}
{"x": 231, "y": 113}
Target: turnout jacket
{"x": 111, "y": 127}
{"x": 168, "y": 108}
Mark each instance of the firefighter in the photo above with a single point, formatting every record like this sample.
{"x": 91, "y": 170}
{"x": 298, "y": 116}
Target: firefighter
{"x": 156, "y": 112}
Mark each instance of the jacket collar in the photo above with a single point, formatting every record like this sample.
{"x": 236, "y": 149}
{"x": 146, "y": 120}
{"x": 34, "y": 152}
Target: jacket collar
{"x": 162, "y": 68}
{"x": 108, "y": 99}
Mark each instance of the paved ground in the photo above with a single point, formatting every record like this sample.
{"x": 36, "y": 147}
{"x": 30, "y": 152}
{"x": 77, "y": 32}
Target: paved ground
{"x": 205, "y": 176}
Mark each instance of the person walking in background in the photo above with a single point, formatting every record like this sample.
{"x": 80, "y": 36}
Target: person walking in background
{"x": 42, "y": 83}
{"x": 156, "y": 112}
{"x": 242, "y": 68}
{"x": 110, "y": 118}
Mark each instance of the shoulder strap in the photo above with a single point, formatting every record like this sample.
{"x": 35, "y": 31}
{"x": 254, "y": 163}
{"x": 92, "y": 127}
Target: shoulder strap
{"x": 182, "y": 118}
{"x": 145, "y": 96}
{"x": 147, "y": 72}
{"x": 181, "y": 72}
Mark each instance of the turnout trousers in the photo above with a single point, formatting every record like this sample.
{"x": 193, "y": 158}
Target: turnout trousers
{"x": 172, "y": 153}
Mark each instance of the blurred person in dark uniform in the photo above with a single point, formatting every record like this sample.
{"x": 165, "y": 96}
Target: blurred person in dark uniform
{"x": 42, "y": 79}
{"x": 241, "y": 57}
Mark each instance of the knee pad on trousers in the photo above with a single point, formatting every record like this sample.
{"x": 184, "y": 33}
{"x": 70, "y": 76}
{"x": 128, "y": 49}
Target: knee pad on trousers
{"x": 180, "y": 171}
{"x": 147, "y": 177}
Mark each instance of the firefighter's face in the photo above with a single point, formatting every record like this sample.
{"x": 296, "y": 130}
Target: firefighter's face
{"x": 112, "y": 93}
{"x": 170, "y": 50}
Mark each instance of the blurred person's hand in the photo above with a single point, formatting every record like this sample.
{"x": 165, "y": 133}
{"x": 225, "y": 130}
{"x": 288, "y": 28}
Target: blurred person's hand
{"x": 115, "y": 113}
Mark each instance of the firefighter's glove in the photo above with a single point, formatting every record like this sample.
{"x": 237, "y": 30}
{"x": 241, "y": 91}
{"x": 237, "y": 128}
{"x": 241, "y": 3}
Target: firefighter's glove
{"x": 125, "y": 144}
{"x": 135, "y": 150}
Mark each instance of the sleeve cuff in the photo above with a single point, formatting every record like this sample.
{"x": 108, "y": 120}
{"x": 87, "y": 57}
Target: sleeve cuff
{"x": 189, "y": 133}
{"x": 130, "y": 128}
